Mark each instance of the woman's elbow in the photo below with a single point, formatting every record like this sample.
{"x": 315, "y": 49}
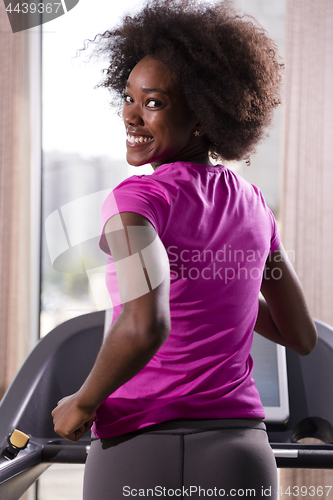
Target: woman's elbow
{"x": 153, "y": 335}
{"x": 306, "y": 350}
{"x": 308, "y": 341}
{"x": 161, "y": 331}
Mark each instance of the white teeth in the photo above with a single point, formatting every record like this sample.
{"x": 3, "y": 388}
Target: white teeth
{"x": 138, "y": 139}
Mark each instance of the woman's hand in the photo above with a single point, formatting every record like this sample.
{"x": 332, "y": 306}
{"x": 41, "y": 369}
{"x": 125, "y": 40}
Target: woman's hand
{"x": 70, "y": 421}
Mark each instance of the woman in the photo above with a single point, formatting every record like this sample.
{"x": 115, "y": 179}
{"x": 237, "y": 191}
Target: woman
{"x": 174, "y": 409}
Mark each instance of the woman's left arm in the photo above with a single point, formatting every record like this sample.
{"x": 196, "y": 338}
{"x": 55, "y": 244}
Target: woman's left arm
{"x": 138, "y": 332}
{"x": 284, "y": 316}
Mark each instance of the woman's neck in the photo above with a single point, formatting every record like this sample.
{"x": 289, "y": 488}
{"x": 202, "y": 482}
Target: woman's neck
{"x": 195, "y": 152}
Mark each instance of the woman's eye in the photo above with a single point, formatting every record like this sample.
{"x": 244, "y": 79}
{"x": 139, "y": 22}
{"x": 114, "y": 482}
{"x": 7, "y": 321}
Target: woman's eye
{"x": 128, "y": 98}
{"x": 153, "y": 103}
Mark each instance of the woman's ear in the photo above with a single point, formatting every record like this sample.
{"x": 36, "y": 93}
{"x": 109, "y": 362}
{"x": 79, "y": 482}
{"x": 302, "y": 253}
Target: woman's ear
{"x": 198, "y": 130}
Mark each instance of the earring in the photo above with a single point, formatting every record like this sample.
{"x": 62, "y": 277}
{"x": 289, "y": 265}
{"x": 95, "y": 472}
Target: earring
{"x": 196, "y": 133}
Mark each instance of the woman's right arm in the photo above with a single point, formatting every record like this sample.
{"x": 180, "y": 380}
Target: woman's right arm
{"x": 283, "y": 315}
{"x": 137, "y": 333}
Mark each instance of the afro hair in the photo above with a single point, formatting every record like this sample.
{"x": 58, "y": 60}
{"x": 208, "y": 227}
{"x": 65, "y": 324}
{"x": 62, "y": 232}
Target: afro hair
{"x": 227, "y": 65}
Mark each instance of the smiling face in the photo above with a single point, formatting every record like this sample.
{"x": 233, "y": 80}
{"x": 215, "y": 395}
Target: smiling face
{"x": 159, "y": 126}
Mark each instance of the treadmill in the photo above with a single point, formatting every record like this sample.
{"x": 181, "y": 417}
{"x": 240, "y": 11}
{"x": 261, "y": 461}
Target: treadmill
{"x": 61, "y": 361}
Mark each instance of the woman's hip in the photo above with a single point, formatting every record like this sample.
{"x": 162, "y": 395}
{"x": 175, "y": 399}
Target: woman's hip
{"x": 229, "y": 457}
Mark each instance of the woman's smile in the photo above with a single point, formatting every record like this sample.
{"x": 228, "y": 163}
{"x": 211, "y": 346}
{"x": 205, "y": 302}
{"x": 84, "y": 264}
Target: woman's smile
{"x": 134, "y": 140}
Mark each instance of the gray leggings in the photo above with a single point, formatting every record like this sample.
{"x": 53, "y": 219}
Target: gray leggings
{"x": 184, "y": 459}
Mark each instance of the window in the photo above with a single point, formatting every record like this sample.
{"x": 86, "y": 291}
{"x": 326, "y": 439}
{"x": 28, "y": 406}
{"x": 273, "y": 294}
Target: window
{"x": 83, "y": 153}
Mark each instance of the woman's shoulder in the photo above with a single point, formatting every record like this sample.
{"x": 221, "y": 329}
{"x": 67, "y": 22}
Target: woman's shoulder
{"x": 162, "y": 183}
{"x": 132, "y": 182}
{"x": 138, "y": 182}
{"x": 139, "y": 194}
{"x": 135, "y": 187}
{"x": 236, "y": 180}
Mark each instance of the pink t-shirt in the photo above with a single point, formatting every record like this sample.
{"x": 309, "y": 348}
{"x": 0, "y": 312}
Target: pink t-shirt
{"x": 218, "y": 233}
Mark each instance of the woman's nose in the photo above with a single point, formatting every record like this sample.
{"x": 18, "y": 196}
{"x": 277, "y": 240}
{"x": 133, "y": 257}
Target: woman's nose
{"x": 132, "y": 116}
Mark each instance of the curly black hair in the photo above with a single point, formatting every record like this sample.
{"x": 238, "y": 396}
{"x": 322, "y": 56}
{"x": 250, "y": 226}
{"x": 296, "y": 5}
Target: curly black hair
{"x": 227, "y": 65}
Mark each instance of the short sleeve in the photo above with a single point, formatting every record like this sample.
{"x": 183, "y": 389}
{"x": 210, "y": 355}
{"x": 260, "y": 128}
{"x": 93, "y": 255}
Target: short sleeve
{"x": 275, "y": 239}
{"x": 137, "y": 194}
